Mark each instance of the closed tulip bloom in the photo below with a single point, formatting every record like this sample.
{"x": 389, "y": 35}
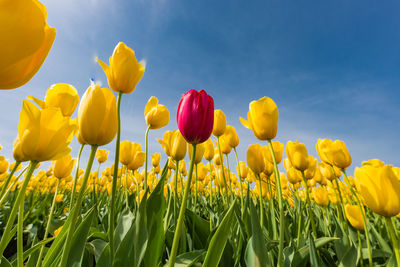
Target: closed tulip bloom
{"x": 155, "y": 159}
{"x": 231, "y": 136}
{"x": 255, "y": 158}
{"x": 97, "y": 116}
{"x": 243, "y": 170}
{"x": 127, "y": 151}
{"x": 217, "y": 158}
{"x": 326, "y": 171}
{"x": 219, "y": 123}
{"x": 309, "y": 173}
{"x": 278, "y": 151}
{"x": 166, "y": 142}
{"x": 195, "y": 116}
{"x": 293, "y": 175}
{"x": 262, "y": 118}
{"x": 338, "y": 155}
{"x": 124, "y": 71}
{"x": 353, "y": 214}
{"x": 137, "y": 161}
{"x": 102, "y": 155}
{"x": 3, "y": 165}
{"x": 322, "y": 145}
{"x": 182, "y": 168}
{"x": 297, "y": 155}
{"x": 43, "y": 134}
{"x": 178, "y": 146}
{"x": 156, "y": 115}
{"x": 321, "y": 196}
{"x": 199, "y": 153}
{"x": 63, "y": 166}
{"x": 224, "y": 144}
{"x": 380, "y": 189}
{"x": 209, "y": 150}
{"x": 27, "y": 39}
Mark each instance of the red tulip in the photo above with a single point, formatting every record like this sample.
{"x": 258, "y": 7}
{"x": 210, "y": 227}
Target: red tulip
{"x": 195, "y": 116}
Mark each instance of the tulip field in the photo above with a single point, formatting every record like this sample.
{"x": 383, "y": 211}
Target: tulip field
{"x": 207, "y": 205}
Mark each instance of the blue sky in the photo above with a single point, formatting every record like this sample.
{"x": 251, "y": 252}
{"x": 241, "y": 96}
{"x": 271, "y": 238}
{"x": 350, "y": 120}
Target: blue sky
{"x": 332, "y": 67}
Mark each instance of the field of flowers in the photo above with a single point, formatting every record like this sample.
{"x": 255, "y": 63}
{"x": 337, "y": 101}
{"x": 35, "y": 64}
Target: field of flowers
{"x": 212, "y": 210}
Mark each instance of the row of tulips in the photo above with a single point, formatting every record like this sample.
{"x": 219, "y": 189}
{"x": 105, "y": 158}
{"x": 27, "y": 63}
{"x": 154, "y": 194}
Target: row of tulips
{"x": 215, "y": 213}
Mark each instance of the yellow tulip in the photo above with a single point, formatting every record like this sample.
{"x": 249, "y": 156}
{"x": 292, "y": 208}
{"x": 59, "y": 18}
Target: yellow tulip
{"x": 124, "y": 72}
{"x": 231, "y": 136}
{"x": 322, "y": 145}
{"x": 199, "y": 153}
{"x": 294, "y": 176}
{"x": 278, "y": 151}
{"x": 156, "y": 115}
{"x": 59, "y": 198}
{"x": 137, "y": 161}
{"x": 353, "y": 214}
{"x": 62, "y": 167}
{"x": 43, "y": 134}
{"x": 209, "y": 150}
{"x": 127, "y": 151}
{"x": 182, "y": 168}
{"x": 155, "y": 159}
{"x": 27, "y": 40}
{"x": 3, "y": 164}
{"x": 255, "y": 158}
{"x": 243, "y": 170}
{"x": 297, "y": 155}
{"x": 338, "y": 155}
{"x": 321, "y": 196}
{"x": 174, "y": 144}
{"x": 309, "y": 173}
{"x": 97, "y": 116}
{"x": 102, "y": 155}
{"x": 380, "y": 188}
{"x": 262, "y": 118}
{"x": 219, "y": 123}
{"x": 60, "y": 95}
{"x": 224, "y": 145}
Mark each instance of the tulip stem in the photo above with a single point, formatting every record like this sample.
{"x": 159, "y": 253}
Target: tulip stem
{"x": 114, "y": 182}
{"x": 392, "y": 234}
{"x": 363, "y": 215}
{"x": 311, "y": 214}
{"x": 222, "y": 164}
{"x": 20, "y": 198}
{"x": 9, "y": 189}
{"x": 360, "y": 248}
{"x": 5, "y": 184}
{"x": 71, "y": 204}
{"x": 182, "y": 210}
{"x": 240, "y": 177}
{"x": 145, "y": 161}
{"x": 261, "y": 202}
{"x": 176, "y": 190}
{"x": 77, "y": 207}
{"x": 46, "y": 233}
{"x": 280, "y": 203}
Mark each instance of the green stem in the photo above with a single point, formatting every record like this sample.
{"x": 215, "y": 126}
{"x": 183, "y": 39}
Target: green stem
{"x": 5, "y": 184}
{"x": 240, "y": 181}
{"x": 176, "y": 190}
{"x": 221, "y": 158}
{"x": 360, "y": 248}
{"x": 261, "y": 202}
{"x": 71, "y": 204}
{"x": 178, "y": 230}
{"x": 145, "y": 161}
{"x": 46, "y": 233}
{"x": 77, "y": 207}
{"x": 3, "y": 199}
{"x": 114, "y": 182}
{"x": 20, "y": 198}
{"x": 311, "y": 214}
{"x": 126, "y": 187}
{"x": 394, "y": 239}
{"x": 280, "y": 203}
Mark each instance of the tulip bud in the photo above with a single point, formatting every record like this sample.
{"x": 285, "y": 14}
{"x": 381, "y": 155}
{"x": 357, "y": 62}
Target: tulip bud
{"x": 338, "y": 155}
{"x": 321, "y": 196}
{"x": 255, "y": 158}
{"x": 102, "y": 155}
{"x": 156, "y": 115}
{"x": 195, "y": 116}
{"x": 231, "y": 136}
{"x": 208, "y": 150}
{"x": 3, "y": 164}
{"x": 63, "y": 166}
{"x": 155, "y": 159}
{"x": 219, "y": 123}
{"x": 199, "y": 153}
{"x": 124, "y": 72}
{"x": 278, "y": 151}
{"x": 178, "y": 146}
{"x": 97, "y": 116}
{"x": 262, "y": 118}
{"x": 353, "y": 214}
{"x": 297, "y": 155}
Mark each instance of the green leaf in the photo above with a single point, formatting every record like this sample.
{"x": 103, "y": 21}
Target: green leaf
{"x": 98, "y": 246}
{"x": 123, "y": 226}
{"x": 155, "y": 210}
{"x": 313, "y": 253}
{"x": 33, "y": 249}
{"x": 105, "y": 257}
{"x": 4, "y": 262}
{"x": 305, "y": 251}
{"x": 79, "y": 240}
{"x": 350, "y": 258}
{"x": 256, "y": 253}
{"x": 218, "y": 241}
{"x": 188, "y": 259}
